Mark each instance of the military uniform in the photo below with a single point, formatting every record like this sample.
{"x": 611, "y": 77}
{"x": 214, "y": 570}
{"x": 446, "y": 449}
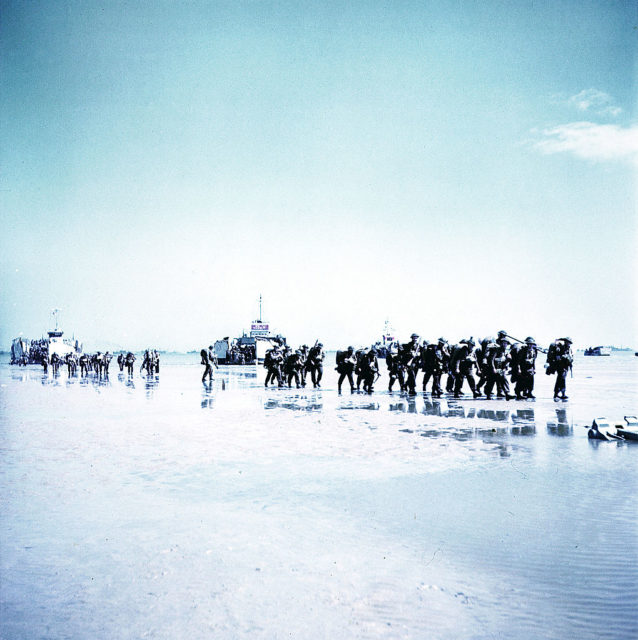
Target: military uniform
{"x": 463, "y": 364}
{"x": 410, "y": 359}
{"x": 559, "y": 361}
{"x": 526, "y": 361}
{"x": 346, "y": 362}
{"x": 315, "y": 364}
{"x": 370, "y": 367}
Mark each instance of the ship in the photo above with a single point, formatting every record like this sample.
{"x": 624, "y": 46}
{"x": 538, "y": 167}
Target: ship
{"x": 25, "y": 351}
{"x": 382, "y": 346}
{"x": 598, "y": 351}
{"x": 251, "y": 348}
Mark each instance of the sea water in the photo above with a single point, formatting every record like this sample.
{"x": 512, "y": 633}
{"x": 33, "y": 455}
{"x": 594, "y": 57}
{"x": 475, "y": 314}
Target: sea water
{"x": 159, "y": 507}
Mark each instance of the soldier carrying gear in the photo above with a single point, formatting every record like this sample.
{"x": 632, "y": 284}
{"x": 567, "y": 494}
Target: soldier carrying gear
{"x": 292, "y": 367}
{"x": 370, "y": 368}
{"x": 462, "y": 364}
{"x": 346, "y": 362}
{"x": 410, "y": 360}
{"x": 559, "y": 361}
{"x": 273, "y": 362}
{"x": 209, "y": 360}
{"x": 526, "y": 365}
{"x": 315, "y": 364}
{"x": 130, "y": 361}
{"x": 395, "y": 366}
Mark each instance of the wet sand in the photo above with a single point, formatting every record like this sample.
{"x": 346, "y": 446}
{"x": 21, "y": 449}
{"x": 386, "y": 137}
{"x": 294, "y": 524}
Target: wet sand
{"x": 162, "y": 508}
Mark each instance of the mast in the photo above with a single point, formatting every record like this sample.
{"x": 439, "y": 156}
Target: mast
{"x": 260, "y": 307}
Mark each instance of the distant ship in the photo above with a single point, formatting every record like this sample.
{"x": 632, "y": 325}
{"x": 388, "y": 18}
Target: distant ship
{"x": 387, "y": 339}
{"x": 251, "y": 348}
{"x": 24, "y": 351}
{"x": 598, "y": 351}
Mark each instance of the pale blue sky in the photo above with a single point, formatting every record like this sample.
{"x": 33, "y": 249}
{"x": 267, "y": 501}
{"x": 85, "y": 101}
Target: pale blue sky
{"x": 458, "y": 167}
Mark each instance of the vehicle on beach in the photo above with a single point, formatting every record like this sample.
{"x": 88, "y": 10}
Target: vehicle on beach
{"x": 251, "y": 348}
{"x": 24, "y": 351}
{"x": 602, "y": 429}
{"x": 598, "y": 351}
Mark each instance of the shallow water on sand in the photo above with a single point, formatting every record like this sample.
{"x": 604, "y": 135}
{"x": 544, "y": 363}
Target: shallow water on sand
{"x": 161, "y": 508}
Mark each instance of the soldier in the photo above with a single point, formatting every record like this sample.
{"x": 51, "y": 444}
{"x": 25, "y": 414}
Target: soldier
{"x": 463, "y": 364}
{"x": 84, "y": 365}
{"x": 370, "y": 367}
{"x": 292, "y": 368}
{"x": 55, "y": 363}
{"x": 106, "y": 361}
{"x": 498, "y": 362}
{"x": 273, "y": 361}
{"x": 526, "y": 360}
{"x": 121, "y": 360}
{"x": 303, "y": 364}
{"x": 358, "y": 369}
{"x": 451, "y": 381}
{"x": 434, "y": 364}
{"x": 395, "y": 366}
{"x": 71, "y": 364}
{"x": 346, "y": 362}
{"x": 97, "y": 363}
{"x": 315, "y": 364}
{"x": 130, "y": 361}
{"x": 559, "y": 361}
{"x": 209, "y": 360}
{"x": 482, "y": 366}
{"x": 410, "y": 358}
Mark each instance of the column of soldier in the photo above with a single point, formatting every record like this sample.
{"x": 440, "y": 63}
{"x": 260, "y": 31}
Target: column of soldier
{"x": 98, "y": 363}
{"x": 492, "y": 361}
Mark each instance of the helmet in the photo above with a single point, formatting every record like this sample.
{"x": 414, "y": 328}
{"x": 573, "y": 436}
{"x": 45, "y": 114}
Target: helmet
{"x": 414, "y": 335}
{"x": 350, "y": 348}
{"x": 443, "y": 340}
{"x": 502, "y": 334}
{"x": 530, "y": 340}
{"x": 567, "y": 340}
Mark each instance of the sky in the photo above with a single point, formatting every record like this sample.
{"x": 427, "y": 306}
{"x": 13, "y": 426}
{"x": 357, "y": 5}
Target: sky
{"x": 454, "y": 167}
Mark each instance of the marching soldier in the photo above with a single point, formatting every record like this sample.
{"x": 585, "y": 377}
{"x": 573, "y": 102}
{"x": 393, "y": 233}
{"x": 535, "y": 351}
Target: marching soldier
{"x": 346, "y": 362}
{"x": 526, "y": 360}
{"x": 315, "y": 364}
{"x": 559, "y": 361}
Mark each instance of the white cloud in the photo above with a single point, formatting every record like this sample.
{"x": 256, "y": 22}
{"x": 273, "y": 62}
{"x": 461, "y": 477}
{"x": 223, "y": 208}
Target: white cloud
{"x": 591, "y": 141}
{"x": 595, "y": 101}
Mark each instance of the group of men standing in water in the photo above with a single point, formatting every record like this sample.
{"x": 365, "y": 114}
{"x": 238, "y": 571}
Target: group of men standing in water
{"x": 285, "y": 365}
{"x": 98, "y": 363}
{"x": 485, "y": 367}
{"x": 491, "y": 367}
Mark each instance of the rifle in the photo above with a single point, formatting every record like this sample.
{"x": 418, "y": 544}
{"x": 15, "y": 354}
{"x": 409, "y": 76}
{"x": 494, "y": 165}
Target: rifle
{"x": 523, "y": 342}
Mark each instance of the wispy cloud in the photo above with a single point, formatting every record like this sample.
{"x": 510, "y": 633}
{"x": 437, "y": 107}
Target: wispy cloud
{"x": 591, "y": 141}
{"x": 595, "y": 101}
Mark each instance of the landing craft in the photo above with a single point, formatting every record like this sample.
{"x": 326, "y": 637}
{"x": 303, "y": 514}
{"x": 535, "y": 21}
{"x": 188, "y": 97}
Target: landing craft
{"x": 248, "y": 349}
{"x": 25, "y": 351}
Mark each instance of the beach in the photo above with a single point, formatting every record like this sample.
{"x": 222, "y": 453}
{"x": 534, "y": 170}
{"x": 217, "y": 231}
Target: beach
{"x": 160, "y": 508}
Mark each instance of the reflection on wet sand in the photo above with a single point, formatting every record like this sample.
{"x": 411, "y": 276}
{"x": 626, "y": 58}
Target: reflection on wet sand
{"x": 297, "y": 402}
{"x": 562, "y": 426}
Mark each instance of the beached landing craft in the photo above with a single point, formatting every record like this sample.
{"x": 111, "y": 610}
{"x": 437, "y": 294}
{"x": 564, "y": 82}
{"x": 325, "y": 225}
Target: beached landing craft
{"x": 248, "y": 349}
{"x": 24, "y": 351}
{"x": 598, "y": 351}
